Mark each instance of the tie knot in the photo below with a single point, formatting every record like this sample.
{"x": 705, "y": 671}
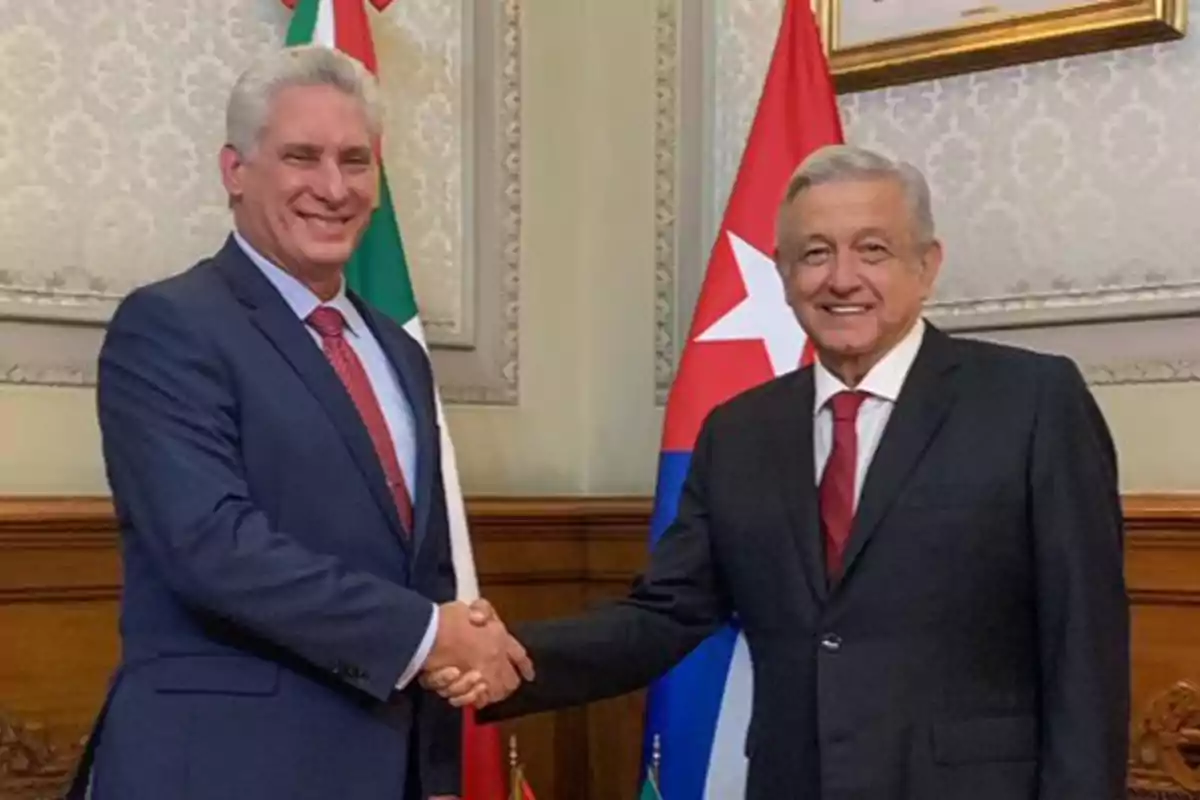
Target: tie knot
{"x": 845, "y": 405}
{"x": 327, "y": 321}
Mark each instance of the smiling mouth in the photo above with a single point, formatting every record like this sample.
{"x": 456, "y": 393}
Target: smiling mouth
{"x": 329, "y": 223}
{"x": 845, "y": 309}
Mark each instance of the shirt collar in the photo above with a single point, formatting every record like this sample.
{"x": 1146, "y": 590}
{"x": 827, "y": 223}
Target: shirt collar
{"x": 884, "y": 380}
{"x": 299, "y": 297}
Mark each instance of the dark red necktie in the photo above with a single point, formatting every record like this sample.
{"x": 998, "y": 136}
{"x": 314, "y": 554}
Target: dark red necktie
{"x": 837, "y": 482}
{"x": 331, "y": 325}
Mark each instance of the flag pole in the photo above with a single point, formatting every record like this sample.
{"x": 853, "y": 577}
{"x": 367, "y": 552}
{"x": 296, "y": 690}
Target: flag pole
{"x": 514, "y": 770}
{"x": 656, "y": 758}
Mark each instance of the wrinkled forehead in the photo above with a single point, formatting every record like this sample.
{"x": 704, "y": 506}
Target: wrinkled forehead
{"x": 316, "y": 115}
{"x": 843, "y": 209}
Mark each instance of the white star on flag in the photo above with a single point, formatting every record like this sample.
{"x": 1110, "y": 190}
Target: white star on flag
{"x": 764, "y": 314}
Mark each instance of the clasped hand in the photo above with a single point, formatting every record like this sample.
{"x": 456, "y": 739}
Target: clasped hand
{"x": 475, "y": 660}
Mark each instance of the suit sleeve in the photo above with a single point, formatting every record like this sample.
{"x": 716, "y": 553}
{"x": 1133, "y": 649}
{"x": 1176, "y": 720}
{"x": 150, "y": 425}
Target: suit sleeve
{"x": 622, "y": 647}
{"x": 170, "y": 429}
{"x": 440, "y": 725}
{"x": 1083, "y": 615}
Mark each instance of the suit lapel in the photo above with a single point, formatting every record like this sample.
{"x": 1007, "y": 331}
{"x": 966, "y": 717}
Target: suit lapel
{"x": 404, "y": 355}
{"x": 271, "y": 314}
{"x": 798, "y": 484}
{"x": 924, "y": 401}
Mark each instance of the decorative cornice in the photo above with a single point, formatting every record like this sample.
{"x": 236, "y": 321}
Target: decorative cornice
{"x": 1132, "y": 372}
{"x": 1068, "y": 304}
{"x": 666, "y": 180}
{"x": 83, "y": 374}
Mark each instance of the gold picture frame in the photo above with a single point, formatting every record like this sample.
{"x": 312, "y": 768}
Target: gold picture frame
{"x": 876, "y": 43}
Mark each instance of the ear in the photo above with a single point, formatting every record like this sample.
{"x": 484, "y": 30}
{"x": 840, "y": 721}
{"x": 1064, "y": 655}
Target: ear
{"x": 232, "y": 166}
{"x": 931, "y": 264}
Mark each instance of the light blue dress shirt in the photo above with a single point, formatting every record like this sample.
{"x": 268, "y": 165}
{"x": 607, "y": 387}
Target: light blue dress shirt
{"x": 397, "y": 411}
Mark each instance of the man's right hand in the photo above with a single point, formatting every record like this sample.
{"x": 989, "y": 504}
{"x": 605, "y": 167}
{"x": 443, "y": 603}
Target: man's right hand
{"x": 474, "y": 660}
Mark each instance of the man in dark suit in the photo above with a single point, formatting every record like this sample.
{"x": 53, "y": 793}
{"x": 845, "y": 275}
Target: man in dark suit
{"x": 272, "y": 446}
{"x": 921, "y": 537}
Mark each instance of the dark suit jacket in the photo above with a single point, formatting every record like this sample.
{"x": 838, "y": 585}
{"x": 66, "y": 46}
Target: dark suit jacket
{"x": 976, "y": 647}
{"x": 271, "y": 600}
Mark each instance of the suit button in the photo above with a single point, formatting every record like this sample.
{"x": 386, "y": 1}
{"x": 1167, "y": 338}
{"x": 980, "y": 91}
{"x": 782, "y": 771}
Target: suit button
{"x": 831, "y": 643}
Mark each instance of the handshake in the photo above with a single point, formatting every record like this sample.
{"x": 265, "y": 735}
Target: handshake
{"x": 475, "y": 661}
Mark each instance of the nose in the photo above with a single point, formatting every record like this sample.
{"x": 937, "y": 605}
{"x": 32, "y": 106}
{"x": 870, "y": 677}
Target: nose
{"x": 843, "y": 273}
{"x": 329, "y": 183}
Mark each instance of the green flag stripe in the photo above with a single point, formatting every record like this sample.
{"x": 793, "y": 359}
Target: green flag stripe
{"x": 378, "y": 270}
{"x": 304, "y": 21}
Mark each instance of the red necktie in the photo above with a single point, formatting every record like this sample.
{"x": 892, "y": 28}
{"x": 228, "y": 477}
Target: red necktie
{"x": 331, "y": 325}
{"x": 837, "y": 482}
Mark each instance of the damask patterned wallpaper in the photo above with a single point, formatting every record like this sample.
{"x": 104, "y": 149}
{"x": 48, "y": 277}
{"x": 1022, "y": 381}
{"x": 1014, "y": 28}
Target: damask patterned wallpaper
{"x": 110, "y": 120}
{"x": 1064, "y": 182}
{"x": 111, "y": 116}
{"x": 1064, "y": 190}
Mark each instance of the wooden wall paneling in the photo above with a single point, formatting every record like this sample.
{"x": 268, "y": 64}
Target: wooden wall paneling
{"x": 1162, "y": 570}
{"x": 554, "y": 558}
{"x": 59, "y": 585}
{"x": 538, "y": 558}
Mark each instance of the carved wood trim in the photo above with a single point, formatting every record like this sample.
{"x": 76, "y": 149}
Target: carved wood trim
{"x": 538, "y": 542}
{"x": 567, "y": 516}
{"x": 81, "y": 517}
{"x": 1161, "y": 513}
{"x": 1165, "y": 746}
{"x": 32, "y": 767}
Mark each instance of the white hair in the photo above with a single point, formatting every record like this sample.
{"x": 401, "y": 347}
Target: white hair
{"x": 304, "y": 65}
{"x": 846, "y": 163}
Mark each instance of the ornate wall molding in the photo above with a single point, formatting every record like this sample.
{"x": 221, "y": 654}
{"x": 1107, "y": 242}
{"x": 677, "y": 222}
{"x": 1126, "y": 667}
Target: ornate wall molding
{"x": 666, "y": 179}
{"x": 1069, "y": 305}
{"x": 485, "y": 370}
{"x": 1130, "y": 372}
{"x": 1059, "y": 204}
{"x": 125, "y": 191}
{"x": 683, "y": 128}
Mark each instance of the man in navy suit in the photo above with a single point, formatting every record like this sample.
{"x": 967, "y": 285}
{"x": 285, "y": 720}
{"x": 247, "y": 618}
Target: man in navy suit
{"x": 272, "y": 447}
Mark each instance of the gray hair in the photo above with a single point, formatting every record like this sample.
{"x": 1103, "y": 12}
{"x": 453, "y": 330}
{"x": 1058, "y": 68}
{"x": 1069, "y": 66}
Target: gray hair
{"x": 846, "y": 163}
{"x": 304, "y": 65}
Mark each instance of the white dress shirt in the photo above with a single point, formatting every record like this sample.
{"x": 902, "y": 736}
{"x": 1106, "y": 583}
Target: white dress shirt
{"x": 397, "y": 411}
{"x": 882, "y": 383}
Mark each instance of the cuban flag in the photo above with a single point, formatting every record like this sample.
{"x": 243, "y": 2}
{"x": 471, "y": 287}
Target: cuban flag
{"x": 742, "y": 334}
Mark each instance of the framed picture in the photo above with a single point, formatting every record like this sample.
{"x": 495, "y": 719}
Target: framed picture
{"x": 874, "y": 43}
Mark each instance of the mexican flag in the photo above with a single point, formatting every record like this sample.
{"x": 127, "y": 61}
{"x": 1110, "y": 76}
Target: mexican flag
{"x": 378, "y": 272}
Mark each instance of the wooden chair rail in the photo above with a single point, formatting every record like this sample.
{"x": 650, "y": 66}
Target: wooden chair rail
{"x": 537, "y": 557}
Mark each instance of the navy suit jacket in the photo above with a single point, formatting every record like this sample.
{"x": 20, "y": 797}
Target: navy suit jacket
{"x": 271, "y": 597}
{"x": 976, "y": 644}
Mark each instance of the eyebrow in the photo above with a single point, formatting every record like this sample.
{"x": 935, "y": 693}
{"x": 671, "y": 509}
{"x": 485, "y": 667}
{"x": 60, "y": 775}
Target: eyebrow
{"x": 307, "y": 148}
{"x": 879, "y": 232}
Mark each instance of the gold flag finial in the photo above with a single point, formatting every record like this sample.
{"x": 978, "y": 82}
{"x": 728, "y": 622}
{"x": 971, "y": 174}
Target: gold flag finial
{"x": 516, "y": 774}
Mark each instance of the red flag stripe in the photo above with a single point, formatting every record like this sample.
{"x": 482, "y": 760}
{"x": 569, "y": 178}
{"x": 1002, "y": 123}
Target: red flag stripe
{"x": 352, "y": 32}
{"x": 484, "y": 776}
{"x": 797, "y": 113}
